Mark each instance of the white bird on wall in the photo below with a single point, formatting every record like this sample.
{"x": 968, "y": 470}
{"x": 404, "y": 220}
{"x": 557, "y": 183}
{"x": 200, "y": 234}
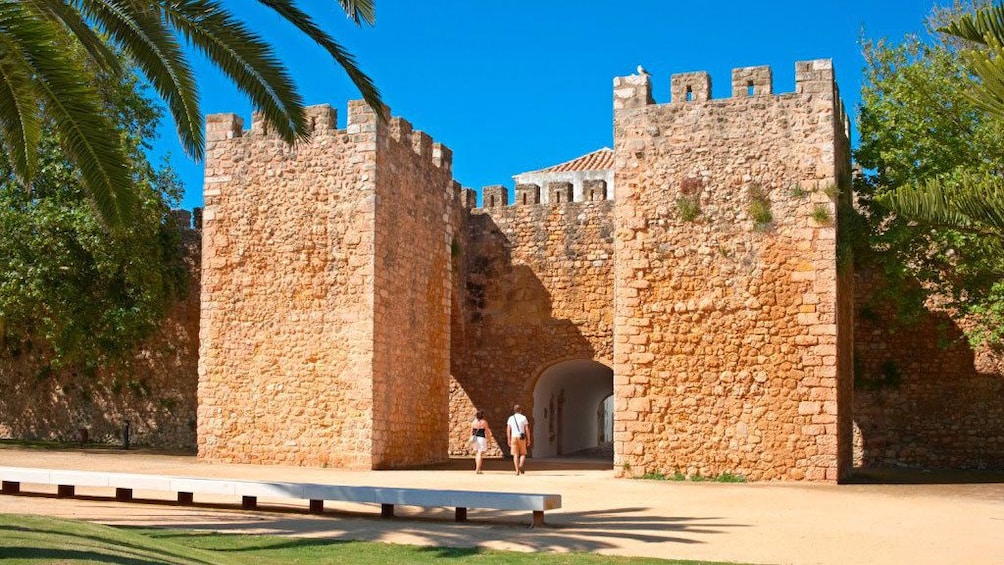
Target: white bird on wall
{"x": 642, "y": 71}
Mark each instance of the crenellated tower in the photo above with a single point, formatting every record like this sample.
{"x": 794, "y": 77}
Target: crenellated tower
{"x": 326, "y": 293}
{"x": 732, "y": 323}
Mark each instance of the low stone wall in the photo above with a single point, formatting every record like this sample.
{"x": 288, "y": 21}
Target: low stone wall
{"x": 923, "y": 397}
{"x": 153, "y": 389}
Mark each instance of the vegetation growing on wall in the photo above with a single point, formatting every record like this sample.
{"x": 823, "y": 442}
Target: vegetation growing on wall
{"x": 689, "y": 207}
{"x": 759, "y": 207}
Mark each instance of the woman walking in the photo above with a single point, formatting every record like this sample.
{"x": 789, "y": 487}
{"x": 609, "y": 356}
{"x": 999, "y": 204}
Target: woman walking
{"x": 481, "y": 433}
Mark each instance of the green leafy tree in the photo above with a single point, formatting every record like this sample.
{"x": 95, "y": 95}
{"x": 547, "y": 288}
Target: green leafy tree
{"x": 928, "y": 149}
{"x": 72, "y": 292}
{"x": 51, "y": 59}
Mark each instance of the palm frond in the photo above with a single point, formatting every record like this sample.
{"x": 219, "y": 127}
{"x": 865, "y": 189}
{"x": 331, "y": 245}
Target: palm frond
{"x": 66, "y": 87}
{"x": 972, "y": 203}
{"x": 96, "y": 47}
{"x": 988, "y": 65}
{"x": 288, "y": 10}
{"x": 985, "y": 30}
{"x": 243, "y": 56}
{"x": 20, "y": 125}
{"x": 987, "y": 21}
{"x": 359, "y": 10}
{"x": 139, "y": 30}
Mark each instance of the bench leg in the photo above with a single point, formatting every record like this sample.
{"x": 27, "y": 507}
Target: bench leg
{"x": 386, "y": 510}
{"x": 11, "y": 487}
{"x": 316, "y": 506}
{"x": 123, "y": 494}
{"x": 249, "y": 502}
{"x": 461, "y": 514}
{"x": 538, "y": 518}
{"x": 65, "y": 491}
{"x": 186, "y": 498}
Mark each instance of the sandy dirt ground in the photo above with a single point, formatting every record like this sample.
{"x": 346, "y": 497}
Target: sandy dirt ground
{"x": 927, "y": 518}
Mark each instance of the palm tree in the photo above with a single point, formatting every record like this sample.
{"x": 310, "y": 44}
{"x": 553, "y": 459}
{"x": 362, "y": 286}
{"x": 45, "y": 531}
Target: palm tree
{"x": 984, "y": 53}
{"x": 971, "y": 203}
{"x": 54, "y": 53}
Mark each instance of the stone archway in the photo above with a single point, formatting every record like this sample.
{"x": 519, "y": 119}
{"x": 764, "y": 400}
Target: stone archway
{"x": 567, "y": 401}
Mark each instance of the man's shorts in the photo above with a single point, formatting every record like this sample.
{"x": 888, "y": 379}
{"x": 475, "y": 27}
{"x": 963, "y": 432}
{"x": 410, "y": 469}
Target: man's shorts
{"x": 518, "y": 446}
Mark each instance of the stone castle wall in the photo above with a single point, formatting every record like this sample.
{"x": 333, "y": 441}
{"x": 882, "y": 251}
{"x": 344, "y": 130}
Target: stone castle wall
{"x": 415, "y": 196}
{"x": 726, "y": 337}
{"x": 923, "y": 397}
{"x": 538, "y": 290}
{"x": 356, "y": 307}
{"x": 326, "y": 298}
{"x": 287, "y": 344}
{"x": 153, "y": 389}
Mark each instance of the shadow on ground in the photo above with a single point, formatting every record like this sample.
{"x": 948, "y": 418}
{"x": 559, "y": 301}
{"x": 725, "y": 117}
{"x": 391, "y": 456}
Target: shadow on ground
{"x": 505, "y": 464}
{"x": 889, "y": 476}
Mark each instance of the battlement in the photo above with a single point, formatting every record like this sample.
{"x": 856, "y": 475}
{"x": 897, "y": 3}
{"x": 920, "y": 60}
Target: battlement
{"x": 468, "y": 198}
{"x": 527, "y": 193}
{"x": 323, "y": 118}
{"x": 531, "y": 194}
{"x": 401, "y": 131}
{"x": 635, "y": 91}
{"x": 814, "y": 77}
{"x": 494, "y": 196}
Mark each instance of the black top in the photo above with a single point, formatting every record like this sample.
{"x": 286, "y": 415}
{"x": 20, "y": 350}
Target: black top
{"x": 480, "y": 432}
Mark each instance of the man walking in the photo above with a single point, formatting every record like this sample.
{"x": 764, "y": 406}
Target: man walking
{"x": 518, "y": 433}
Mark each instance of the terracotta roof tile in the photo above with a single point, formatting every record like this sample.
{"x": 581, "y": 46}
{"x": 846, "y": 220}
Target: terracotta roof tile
{"x": 599, "y": 160}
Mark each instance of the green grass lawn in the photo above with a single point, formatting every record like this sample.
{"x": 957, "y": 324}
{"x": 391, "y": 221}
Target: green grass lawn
{"x": 36, "y": 540}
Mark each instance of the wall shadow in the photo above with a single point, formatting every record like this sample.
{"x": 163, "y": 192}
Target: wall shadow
{"x": 923, "y": 398}
{"x": 514, "y": 315}
{"x": 153, "y": 387}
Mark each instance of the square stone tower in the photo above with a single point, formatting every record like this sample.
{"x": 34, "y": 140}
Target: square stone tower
{"x": 732, "y": 315}
{"x": 325, "y": 331}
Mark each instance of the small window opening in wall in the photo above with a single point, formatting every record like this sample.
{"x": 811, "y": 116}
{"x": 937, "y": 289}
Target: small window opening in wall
{"x": 749, "y": 88}
{"x": 491, "y": 201}
{"x": 524, "y": 199}
{"x": 557, "y": 198}
{"x": 690, "y": 94}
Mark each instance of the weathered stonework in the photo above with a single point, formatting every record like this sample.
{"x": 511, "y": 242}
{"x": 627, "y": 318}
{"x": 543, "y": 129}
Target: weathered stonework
{"x": 330, "y": 301}
{"x": 325, "y": 295}
{"x": 357, "y": 307}
{"x": 727, "y": 354}
{"x": 923, "y": 397}
{"x": 539, "y": 290}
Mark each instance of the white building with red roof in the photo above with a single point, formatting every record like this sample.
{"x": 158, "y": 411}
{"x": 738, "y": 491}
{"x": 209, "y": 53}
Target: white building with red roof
{"x": 591, "y": 177}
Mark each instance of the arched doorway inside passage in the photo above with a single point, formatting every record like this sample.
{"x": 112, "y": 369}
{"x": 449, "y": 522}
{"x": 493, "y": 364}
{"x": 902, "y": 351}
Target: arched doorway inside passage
{"x": 572, "y": 410}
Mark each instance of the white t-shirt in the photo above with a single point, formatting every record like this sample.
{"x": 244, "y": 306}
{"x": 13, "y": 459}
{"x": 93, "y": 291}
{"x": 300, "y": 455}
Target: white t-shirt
{"x": 517, "y": 423}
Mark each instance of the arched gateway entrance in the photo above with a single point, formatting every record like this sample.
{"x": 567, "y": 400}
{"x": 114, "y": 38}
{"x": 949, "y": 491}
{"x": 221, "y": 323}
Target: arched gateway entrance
{"x": 572, "y": 409}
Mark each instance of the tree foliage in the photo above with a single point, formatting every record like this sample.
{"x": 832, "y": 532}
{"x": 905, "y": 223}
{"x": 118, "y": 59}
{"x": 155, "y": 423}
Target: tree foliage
{"x": 930, "y": 194}
{"x": 72, "y": 290}
{"x": 51, "y": 59}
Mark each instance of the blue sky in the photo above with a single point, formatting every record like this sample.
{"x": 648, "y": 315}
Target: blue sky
{"x": 514, "y": 86}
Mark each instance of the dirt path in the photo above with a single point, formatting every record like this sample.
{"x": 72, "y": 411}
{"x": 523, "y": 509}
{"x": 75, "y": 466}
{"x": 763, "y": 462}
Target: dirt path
{"x": 757, "y": 523}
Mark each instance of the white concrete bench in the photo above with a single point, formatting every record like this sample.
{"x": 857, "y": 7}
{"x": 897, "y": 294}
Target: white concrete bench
{"x": 249, "y": 491}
